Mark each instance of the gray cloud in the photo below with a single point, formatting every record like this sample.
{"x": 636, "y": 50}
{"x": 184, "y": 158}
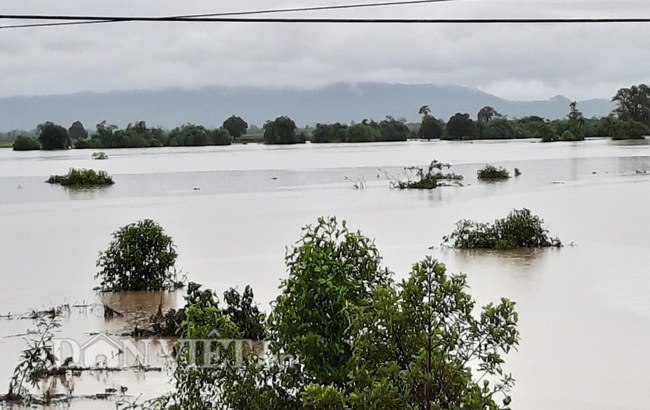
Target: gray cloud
{"x": 513, "y": 61}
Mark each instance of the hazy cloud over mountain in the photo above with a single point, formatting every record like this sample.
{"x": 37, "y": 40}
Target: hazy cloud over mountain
{"x": 518, "y": 62}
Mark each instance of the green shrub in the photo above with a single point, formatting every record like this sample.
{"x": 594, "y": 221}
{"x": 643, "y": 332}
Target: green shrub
{"x": 419, "y": 178}
{"x": 492, "y": 173}
{"x": 140, "y": 257}
{"x": 82, "y": 178}
{"x": 520, "y": 229}
{"x": 24, "y": 143}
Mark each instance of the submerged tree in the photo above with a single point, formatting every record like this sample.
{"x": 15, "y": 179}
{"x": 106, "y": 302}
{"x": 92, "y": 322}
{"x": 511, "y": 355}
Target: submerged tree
{"x": 282, "y": 130}
{"x": 633, "y": 103}
{"x": 430, "y": 178}
{"x": 354, "y": 339}
{"x": 520, "y": 229}
{"x": 53, "y": 136}
{"x": 140, "y": 257}
{"x": 236, "y": 126}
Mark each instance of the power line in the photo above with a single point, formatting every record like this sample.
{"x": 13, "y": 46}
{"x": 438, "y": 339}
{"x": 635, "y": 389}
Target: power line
{"x": 98, "y": 19}
{"x": 249, "y": 12}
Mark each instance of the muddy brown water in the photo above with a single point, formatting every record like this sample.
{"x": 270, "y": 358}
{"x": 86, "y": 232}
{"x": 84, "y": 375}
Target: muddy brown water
{"x": 584, "y": 309}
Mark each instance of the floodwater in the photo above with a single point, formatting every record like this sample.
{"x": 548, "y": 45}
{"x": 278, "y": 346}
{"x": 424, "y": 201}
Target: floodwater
{"x": 584, "y": 309}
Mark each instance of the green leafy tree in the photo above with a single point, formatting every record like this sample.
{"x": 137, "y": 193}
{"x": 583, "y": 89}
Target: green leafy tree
{"x": 486, "y": 114}
{"x": 363, "y": 132}
{"x": 140, "y": 257}
{"x": 77, "y": 131}
{"x": 236, "y": 126}
{"x": 431, "y": 128}
{"x": 329, "y": 133}
{"x": 25, "y": 143}
{"x": 420, "y": 346}
{"x": 330, "y": 270}
{"x": 460, "y": 127}
{"x": 219, "y": 136}
{"x": 497, "y": 128}
{"x": 282, "y": 130}
{"x": 53, "y": 136}
{"x": 189, "y": 135}
{"x": 105, "y": 134}
{"x": 576, "y": 124}
{"x": 633, "y": 103}
{"x": 393, "y": 130}
{"x": 244, "y": 313}
{"x": 356, "y": 341}
{"x": 520, "y": 229}
{"x": 548, "y": 133}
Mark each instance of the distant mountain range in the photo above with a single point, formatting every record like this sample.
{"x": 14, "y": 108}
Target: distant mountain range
{"x": 210, "y": 106}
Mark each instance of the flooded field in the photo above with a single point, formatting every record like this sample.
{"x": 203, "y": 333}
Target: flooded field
{"x": 584, "y": 310}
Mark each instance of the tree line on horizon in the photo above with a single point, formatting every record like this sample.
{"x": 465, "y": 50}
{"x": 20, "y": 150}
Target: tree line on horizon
{"x": 629, "y": 120}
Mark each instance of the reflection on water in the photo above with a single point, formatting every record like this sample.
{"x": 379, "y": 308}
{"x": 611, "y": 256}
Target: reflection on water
{"x": 584, "y": 311}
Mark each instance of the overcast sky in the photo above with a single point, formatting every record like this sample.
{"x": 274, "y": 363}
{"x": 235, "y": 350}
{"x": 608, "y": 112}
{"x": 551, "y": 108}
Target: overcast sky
{"x": 512, "y": 61}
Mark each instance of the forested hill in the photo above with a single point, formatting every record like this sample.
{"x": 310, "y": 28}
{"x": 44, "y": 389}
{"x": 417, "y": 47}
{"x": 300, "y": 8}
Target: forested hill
{"x": 337, "y": 103}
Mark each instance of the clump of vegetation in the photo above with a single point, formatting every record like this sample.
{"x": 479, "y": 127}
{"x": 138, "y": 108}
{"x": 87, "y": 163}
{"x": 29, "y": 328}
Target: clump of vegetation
{"x": 25, "y": 143}
{"x": 492, "y": 173}
{"x": 520, "y": 229}
{"x": 432, "y": 177}
{"x": 240, "y": 309}
{"x": 140, "y": 257}
{"x": 82, "y": 178}
{"x": 99, "y": 155}
{"x": 36, "y": 361}
{"x": 336, "y": 303}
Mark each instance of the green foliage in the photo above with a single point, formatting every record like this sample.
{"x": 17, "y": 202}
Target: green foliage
{"x": 497, "y": 128}
{"x": 431, "y": 128}
{"x": 188, "y": 135}
{"x": 547, "y": 133}
{"x": 420, "y": 346}
{"x": 391, "y": 129}
{"x": 356, "y": 340}
{"x": 35, "y": 361}
{"x": 236, "y": 126}
{"x": 432, "y": 177}
{"x": 77, "y": 131}
{"x": 486, "y": 114}
{"x": 24, "y": 143}
{"x": 240, "y": 309}
{"x": 331, "y": 270}
{"x": 329, "y": 133}
{"x": 90, "y": 143}
{"x": 53, "y": 136}
{"x": 460, "y": 127}
{"x": 140, "y": 257}
{"x": 492, "y": 173}
{"x": 282, "y": 130}
{"x": 623, "y": 130}
{"x": 520, "y": 229}
{"x": 575, "y": 131}
{"x": 82, "y": 178}
{"x": 363, "y": 132}
{"x": 633, "y": 103}
{"x": 219, "y": 136}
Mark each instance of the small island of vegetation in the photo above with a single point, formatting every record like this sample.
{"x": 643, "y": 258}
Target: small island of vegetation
{"x": 520, "y": 229}
{"x": 419, "y": 178}
{"x": 492, "y": 173}
{"x": 82, "y": 178}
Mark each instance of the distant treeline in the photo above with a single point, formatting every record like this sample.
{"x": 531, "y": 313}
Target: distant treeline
{"x": 630, "y": 120}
